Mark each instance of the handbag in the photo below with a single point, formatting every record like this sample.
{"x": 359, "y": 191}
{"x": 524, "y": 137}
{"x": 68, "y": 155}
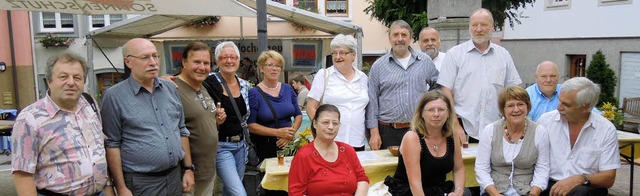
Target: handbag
{"x": 253, "y": 159}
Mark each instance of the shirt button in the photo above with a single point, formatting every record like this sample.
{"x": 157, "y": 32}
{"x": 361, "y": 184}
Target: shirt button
{"x": 167, "y": 138}
{"x": 162, "y": 124}
{"x": 170, "y": 153}
{"x": 156, "y": 109}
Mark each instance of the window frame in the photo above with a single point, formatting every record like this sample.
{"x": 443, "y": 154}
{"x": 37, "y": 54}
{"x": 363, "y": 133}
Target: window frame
{"x": 58, "y": 23}
{"x": 346, "y": 10}
{"x": 107, "y": 20}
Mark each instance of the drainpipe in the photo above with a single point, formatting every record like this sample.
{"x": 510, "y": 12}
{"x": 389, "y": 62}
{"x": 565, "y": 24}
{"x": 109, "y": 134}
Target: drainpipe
{"x": 14, "y": 71}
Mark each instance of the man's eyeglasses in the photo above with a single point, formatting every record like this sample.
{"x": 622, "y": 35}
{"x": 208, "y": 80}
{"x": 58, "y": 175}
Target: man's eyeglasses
{"x": 146, "y": 57}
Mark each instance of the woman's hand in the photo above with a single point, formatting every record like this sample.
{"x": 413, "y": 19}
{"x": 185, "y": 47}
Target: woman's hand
{"x": 286, "y": 133}
{"x": 281, "y": 143}
{"x": 221, "y": 115}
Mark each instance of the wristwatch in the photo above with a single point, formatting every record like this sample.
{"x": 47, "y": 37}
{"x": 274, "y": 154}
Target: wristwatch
{"x": 192, "y": 168}
{"x": 586, "y": 182}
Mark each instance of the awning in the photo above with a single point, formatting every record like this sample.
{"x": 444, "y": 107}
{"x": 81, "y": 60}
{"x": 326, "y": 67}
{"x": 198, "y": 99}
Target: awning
{"x": 309, "y": 19}
{"x": 165, "y": 7}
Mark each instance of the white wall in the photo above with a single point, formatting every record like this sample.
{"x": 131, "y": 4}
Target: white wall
{"x": 583, "y": 18}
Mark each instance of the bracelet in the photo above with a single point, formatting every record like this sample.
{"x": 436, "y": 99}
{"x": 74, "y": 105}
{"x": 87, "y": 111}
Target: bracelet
{"x": 109, "y": 183}
{"x": 458, "y": 188}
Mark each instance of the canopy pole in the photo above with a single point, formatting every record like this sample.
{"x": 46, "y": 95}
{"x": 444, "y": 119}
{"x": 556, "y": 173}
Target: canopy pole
{"x": 261, "y": 6}
{"x": 359, "y": 36}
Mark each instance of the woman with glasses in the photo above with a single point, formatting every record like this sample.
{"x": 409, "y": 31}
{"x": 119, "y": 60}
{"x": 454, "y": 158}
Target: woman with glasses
{"x": 326, "y": 166}
{"x": 513, "y": 153}
{"x": 232, "y": 147}
{"x": 345, "y": 87}
{"x": 273, "y": 103}
{"x": 428, "y": 152}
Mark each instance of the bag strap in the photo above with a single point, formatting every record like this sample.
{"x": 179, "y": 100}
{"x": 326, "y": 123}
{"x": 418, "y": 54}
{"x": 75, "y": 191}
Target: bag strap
{"x": 91, "y": 102}
{"x": 235, "y": 107}
{"x": 326, "y": 82}
{"x": 273, "y": 111}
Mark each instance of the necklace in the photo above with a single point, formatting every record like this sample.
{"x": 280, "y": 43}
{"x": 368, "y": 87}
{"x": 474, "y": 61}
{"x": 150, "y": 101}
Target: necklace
{"x": 435, "y": 145}
{"x": 509, "y": 136}
{"x": 269, "y": 88}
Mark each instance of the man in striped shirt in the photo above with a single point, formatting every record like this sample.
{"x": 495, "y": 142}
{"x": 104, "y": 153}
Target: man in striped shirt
{"x": 397, "y": 80}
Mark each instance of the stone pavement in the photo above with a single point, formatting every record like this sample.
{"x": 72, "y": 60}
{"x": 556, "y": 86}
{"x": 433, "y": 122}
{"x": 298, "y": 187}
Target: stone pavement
{"x": 620, "y": 188}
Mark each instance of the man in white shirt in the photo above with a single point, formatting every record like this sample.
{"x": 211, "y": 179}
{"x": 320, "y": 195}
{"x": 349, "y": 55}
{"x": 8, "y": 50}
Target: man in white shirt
{"x": 473, "y": 73}
{"x": 430, "y": 45}
{"x": 583, "y": 153}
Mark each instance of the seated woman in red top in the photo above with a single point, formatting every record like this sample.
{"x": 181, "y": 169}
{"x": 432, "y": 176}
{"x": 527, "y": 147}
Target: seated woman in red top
{"x": 327, "y": 167}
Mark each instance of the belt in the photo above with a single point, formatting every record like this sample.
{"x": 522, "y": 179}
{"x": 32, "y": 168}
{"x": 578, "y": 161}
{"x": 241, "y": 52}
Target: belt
{"x": 401, "y": 125}
{"x": 51, "y": 193}
{"x": 235, "y": 138}
{"x": 160, "y": 173}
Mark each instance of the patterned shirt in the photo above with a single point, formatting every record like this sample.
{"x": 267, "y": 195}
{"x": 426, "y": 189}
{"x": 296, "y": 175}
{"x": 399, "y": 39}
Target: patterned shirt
{"x": 63, "y": 150}
{"x": 394, "y": 91}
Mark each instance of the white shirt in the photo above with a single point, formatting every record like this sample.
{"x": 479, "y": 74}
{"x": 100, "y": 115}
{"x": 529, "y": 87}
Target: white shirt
{"x": 510, "y": 151}
{"x": 595, "y": 150}
{"x": 350, "y": 97}
{"x": 476, "y": 79}
{"x": 438, "y": 60}
{"x": 404, "y": 62}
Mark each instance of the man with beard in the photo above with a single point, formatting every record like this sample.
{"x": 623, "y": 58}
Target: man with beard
{"x": 430, "y": 44}
{"x": 583, "y": 151}
{"x": 144, "y": 123}
{"x": 397, "y": 80}
{"x": 473, "y": 73}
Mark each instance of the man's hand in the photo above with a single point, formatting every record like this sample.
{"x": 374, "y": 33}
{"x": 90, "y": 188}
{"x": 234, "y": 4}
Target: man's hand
{"x": 282, "y": 142}
{"x": 375, "y": 141}
{"x": 563, "y": 187}
{"x": 187, "y": 181}
{"x": 171, "y": 79}
{"x": 124, "y": 191}
{"x": 221, "y": 115}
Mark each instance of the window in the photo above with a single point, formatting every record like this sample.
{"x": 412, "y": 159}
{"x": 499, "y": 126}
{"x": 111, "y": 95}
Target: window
{"x": 309, "y": 5}
{"x": 613, "y": 2}
{"x": 56, "y": 22}
{"x": 557, "y": 4}
{"x": 99, "y": 21}
{"x": 578, "y": 65}
{"x": 280, "y": 1}
{"x": 336, "y": 7}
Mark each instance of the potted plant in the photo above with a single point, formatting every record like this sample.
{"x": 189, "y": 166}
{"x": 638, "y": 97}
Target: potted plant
{"x": 610, "y": 112}
{"x": 55, "y": 41}
{"x": 300, "y": 27}
{"x": 207, "y": 21}
{"x": 300, "y": 139}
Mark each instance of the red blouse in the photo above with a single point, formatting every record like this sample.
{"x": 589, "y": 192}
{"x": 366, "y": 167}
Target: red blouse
{"x": 311, "y": 175}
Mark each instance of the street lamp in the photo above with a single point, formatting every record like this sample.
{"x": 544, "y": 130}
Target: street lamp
{"x": 3, "y": 66}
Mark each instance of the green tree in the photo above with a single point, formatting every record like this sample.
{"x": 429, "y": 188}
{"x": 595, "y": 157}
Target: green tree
{"x": 600, "y": 73}
{"x": 414, "y": 12}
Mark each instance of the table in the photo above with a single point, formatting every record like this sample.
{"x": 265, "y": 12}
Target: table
{"x": 377, "y": 165}
{"x": 626, "y": 139}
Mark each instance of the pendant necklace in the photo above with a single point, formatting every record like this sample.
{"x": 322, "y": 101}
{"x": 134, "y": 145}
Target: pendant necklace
{"x": 509, "y": 136}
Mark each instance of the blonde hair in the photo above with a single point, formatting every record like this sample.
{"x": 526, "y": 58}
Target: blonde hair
{"x": 262, "y": 59}
{"x": 418, "y": 123}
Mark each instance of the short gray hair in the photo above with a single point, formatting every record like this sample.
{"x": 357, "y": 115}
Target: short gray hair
{"x": 346, "y": 41}
{"x": 66, "y": 57}
{"x": 588, "y": 92}
{"x": 403, "y": 25}
{"x": 222, "y": 45}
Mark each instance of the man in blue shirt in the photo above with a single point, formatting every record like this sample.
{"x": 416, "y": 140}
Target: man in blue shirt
{"x": 544, "y": 93}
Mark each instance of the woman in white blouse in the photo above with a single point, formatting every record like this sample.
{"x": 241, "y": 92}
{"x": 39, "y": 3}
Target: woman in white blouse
{"x": 513, "y": 153}
{"x": 345, "y": 87}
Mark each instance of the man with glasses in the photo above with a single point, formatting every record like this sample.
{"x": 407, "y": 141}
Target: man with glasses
{"x": 201, "y": 115}
{"x": 397, "y": 80}
{"x": 147, "y": 141}
{"x": 473, "y": 73}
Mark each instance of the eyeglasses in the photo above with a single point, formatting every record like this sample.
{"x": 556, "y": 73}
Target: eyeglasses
{"x": 275, "y": 66}
{"x": 337, "y": 54}
{"x": 435, "y": 110}
{"x": 203, "y": 101}
{"x": 233, "y": 58}
{"x": 326, "y": 123}
{"x": 519, "y": 105}
{"x": 146, "y": 58}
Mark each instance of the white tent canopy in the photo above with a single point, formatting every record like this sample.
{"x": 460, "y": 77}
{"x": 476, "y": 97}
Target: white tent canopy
{"x": 166, "y": 7}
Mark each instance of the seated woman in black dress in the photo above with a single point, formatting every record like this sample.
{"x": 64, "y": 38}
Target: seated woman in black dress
{"x": 428, "y": 152}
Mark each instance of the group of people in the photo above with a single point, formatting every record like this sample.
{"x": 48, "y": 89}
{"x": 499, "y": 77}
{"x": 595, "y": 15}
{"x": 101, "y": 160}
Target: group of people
{"x": 153, "y": 136}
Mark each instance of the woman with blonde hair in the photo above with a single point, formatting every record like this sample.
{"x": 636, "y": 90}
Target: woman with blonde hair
{"x": 429, "y": 151}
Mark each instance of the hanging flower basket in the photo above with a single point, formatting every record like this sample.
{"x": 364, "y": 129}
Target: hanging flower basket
{"x": 207, "y": 21}
{"x": 55, "y": 41}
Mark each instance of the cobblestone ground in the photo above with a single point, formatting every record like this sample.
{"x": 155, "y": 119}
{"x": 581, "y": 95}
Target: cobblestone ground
{"x": 620, "y": 188}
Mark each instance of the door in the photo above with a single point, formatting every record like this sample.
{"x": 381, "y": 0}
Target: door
{"x": 629, "y": 75}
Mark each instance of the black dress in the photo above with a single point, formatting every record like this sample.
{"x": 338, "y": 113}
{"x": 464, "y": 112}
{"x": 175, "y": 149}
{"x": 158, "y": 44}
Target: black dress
{"x": 433, "y": 172}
